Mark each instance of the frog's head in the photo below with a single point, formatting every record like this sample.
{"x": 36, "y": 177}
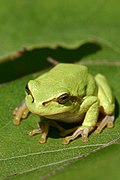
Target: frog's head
{"x": 49, "y": 100}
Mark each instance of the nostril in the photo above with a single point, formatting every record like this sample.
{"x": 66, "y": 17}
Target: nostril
{"x": 43, "y": 103}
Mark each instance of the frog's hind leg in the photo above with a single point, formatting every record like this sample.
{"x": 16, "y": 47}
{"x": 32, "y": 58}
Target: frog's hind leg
{"x": 107, "y": 104}
{"x": 106, "y": 121}
{"x": 43, "y": 128}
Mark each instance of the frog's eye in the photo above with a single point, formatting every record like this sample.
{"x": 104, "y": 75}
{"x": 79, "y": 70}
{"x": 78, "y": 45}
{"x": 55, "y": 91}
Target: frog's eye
{"x": 62, "y": 99}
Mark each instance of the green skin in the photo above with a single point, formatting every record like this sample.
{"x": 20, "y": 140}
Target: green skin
{"x": 68, "y": 93}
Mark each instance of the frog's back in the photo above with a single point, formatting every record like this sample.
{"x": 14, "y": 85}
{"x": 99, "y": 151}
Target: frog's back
{"x": 70, "y": 76}
{"x": 68, "y": 70}
{"x": 64, "y": 77}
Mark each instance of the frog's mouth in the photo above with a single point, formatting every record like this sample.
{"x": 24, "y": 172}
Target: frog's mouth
{"x": 58, "y": 115}
{"x": 51, "y": 109}
{"x": 60, "y": 112}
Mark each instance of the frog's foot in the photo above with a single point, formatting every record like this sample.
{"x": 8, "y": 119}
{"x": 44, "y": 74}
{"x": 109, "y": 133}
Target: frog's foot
{"x": 43, "y": 128}
{"x": 107, "y": 121}
{"x": 81, "y": 130}
{"x": 20, "y": 112}
{"x": 39, "y": 130}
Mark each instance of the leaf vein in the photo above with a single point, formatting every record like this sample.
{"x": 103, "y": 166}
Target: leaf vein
{"x": 51, "y": 151}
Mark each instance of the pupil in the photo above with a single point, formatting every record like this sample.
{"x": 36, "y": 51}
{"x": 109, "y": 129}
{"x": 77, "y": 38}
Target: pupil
{"x": 64, "y": 97}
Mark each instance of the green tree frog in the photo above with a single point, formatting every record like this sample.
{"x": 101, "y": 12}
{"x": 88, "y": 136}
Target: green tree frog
{"x": 68, "y": 93}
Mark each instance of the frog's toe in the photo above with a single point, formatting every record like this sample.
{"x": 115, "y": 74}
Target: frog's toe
{"x": 83, "y": 131}
{"x": 85, "y": 138}
{"x": 110, "y": 124}
{"x": 66, "y": 140}
{"x": 106, "y": 121}
{"x": 25, "y": 113}
{"x": 16, "y": 121}
{"x": 33, "y": 132}
{"x": 17, "y": 118}
{"x": 42, "y": 140}
{"x": 15, "y": 111}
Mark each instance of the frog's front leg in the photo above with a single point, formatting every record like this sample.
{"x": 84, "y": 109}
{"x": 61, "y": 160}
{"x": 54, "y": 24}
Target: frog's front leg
{"x": 20, "y": 112}
{"x": 43, "y": 128}
{"x": 90, "y": 107}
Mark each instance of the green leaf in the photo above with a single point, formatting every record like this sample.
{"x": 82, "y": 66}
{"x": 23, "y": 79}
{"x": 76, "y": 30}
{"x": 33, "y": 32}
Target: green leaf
{"x": 22, "y": 157}
{"x": 67, "y": 31}
{"x": 101, "y": 165}
{"x": 35, "y": 24}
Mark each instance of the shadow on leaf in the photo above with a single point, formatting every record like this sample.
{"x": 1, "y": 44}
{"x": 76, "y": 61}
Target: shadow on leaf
{"x": 36, "y": 60}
